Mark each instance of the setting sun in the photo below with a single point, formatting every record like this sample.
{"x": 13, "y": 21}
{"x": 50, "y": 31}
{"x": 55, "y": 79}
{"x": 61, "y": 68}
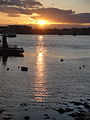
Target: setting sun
{"x": 42, "y": 22}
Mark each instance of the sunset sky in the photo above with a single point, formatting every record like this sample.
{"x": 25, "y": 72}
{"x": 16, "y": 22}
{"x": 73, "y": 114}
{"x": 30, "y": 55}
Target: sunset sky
{"x": 71, "y": 12}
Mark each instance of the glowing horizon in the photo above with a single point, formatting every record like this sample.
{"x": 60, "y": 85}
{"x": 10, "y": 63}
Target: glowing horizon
{"x": 43, "y": 13}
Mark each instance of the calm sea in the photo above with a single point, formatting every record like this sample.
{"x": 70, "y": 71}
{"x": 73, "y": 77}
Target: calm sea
{"x": 48, "y": 80}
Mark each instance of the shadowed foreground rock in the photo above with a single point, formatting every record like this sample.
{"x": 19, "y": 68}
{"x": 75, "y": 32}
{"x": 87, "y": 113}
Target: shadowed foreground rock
{"x": 62, "y": 111}
{"x": 81, "y": 115}
{"x": 27, "y": 118}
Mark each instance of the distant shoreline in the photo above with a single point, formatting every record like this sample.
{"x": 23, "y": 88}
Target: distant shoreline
{"x": 22, "y": 29}
{"x": 50, "y": 34}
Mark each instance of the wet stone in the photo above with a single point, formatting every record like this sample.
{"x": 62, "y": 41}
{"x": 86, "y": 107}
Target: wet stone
{"x": 69, "y": 109}
{"x": 73, "y": 115}
{"x": 78, "y": 115}
{"x": 81, "y": 100}
{"x": 1, "y": 111}
{"x": 62, "y": 60}
{"x": 86, "y": 105}
{"x": 79, "y": 68}
{"x": 46, "y": 114}
{"x": 65, "y": 103}
{"x": 7, "y": 69}
{"x": 88, "y": 99}
{"x": 83, "y": 65}
{"x": 79, "y": 119}
{"x": 27, "y": 118}
{"x": 76, "y": 103}
{"x": 81, "y": 111}
{"x": 23, "y": 104}
{"x": 26, "y": 109}
{"x": 24, "y": 69}
{"x": 61, "y": 110}
{"x": 79, "y": 108}
{"x": 47, "y": 117}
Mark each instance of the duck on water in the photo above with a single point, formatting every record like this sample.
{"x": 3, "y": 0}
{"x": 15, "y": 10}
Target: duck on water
{"x": 5, "y": 49}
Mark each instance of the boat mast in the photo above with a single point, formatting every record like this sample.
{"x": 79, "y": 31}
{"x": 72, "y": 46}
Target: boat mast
{"x": 4, "y": 41}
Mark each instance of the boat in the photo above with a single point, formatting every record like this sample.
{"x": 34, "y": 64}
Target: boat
{"x": 6, "y": 49}
{"x": 11, "y": 51}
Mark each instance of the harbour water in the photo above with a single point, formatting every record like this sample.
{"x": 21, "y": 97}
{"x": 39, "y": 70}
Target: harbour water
{"x": 48, "y": 80}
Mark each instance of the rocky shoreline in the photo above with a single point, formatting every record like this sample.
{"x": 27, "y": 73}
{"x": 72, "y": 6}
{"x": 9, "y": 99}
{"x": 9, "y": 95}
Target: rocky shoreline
{"x": 68, "y": 110}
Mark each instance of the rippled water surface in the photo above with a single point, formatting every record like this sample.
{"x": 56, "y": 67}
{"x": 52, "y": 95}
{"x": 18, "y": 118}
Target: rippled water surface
{"x": 48, "y": 79}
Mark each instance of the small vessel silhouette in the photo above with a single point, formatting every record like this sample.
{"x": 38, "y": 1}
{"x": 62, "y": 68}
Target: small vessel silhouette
{"x": 6, "y": 49}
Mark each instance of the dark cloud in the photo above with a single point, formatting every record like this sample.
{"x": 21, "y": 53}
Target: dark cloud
{"x": 20, "y": 3}
{"x": 59, "y": 15}
{"x": 81, "y": 18}
{"x": 14, "y": 11}
{"x": 16, "y": 7}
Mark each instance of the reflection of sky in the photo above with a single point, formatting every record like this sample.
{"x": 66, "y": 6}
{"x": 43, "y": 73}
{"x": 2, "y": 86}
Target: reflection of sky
{"x": 40, "y": 83}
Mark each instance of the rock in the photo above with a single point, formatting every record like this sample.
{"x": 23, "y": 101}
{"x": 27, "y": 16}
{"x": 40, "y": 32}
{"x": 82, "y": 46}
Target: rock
{"x": 81, "y": 100}
{"x": 88, "y": 99}
{"x": 46, "y": 114}
{"x": 1, "y": 111}
{"x": 79, "y": 68}
{"x": 26, "y": 109}
{"x": 76, "y": 103}
{"x": 24, "y": 69}
{"x": 81, "y": 111}
{"x": 26, "y": 117}
{"x": 73, "y": 114}
{"x": 65, "y": 103}
{"x": 61, "y": 110}
{"x": 79, "y": 108}
{"x": 81, "y": 115}
{"x": 80, "y": 103}
{"x": 18, "y": 66}
{"x": 83, "y": 65}
{"x": 77, "y": 115}
{"x": 47, "y": 117}
{"x": 87, "y": 116}
{"x": 80, "y": 118}
{"x": 23, "y": 104}
{"x": 86, "y": 105}
{"x": 62, "y": 60}
{"x": 7, "y": 69}
{"x": 68, "y": 109}
{"x": 53, "y": 118}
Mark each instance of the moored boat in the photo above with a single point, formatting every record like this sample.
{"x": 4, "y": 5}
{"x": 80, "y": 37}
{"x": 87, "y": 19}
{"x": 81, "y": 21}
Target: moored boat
{"x": 5, "y": 49}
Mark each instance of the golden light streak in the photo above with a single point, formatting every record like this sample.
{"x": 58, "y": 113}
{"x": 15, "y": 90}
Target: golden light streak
{"x": 40, "y": 87}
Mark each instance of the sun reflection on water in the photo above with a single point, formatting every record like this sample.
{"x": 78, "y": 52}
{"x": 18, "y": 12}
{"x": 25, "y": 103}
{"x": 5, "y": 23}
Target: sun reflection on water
{"x": 40, "y": 82}
{"x": 40, "y": 37}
